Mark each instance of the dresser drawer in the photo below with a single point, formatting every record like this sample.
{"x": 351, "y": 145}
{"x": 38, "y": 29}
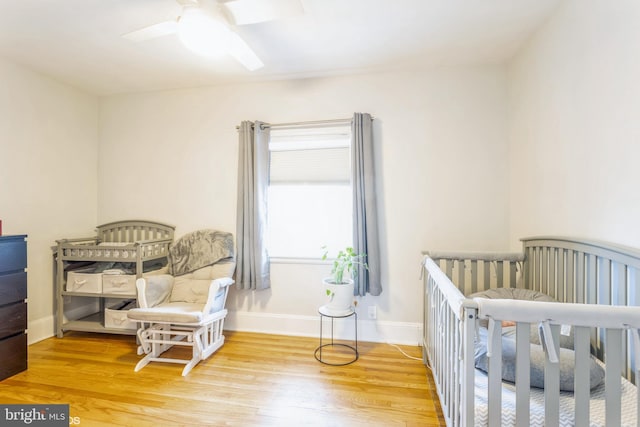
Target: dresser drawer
{"x": 13, "y": 355}
{"x": 13, "y": 319}
{"x": 13, "y": 287}
{"x": 13, "y": 254}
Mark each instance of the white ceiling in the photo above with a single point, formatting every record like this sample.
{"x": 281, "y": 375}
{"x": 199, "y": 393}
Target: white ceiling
{"x": 79, "y": 41}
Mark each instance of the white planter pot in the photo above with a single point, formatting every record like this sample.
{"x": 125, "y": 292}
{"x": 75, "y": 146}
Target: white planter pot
{"x": 340, "y": 297}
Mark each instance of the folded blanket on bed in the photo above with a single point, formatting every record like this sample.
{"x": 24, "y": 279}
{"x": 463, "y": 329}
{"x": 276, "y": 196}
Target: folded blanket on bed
{"x": 199, "y": 249}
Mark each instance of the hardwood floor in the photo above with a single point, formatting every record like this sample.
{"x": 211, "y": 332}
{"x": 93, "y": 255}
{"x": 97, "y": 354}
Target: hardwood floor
{"x": 253, "y": 380}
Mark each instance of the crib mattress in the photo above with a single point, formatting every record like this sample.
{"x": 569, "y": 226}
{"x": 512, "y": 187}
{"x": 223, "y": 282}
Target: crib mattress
{"x": 596, "y": 408}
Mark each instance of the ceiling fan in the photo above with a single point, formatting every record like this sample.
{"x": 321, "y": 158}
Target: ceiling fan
{"x": 207, "y": 26}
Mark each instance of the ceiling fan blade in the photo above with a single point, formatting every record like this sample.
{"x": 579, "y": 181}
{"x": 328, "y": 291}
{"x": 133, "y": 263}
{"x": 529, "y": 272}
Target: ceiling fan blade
{"x": 241, "y": 51}
{"x": 152, "y": 31}
{"x": 254, "y": 11}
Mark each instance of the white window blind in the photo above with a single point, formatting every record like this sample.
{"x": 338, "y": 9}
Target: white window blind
{"x": 309, "y": 191}
{"x": 310, "y": 156}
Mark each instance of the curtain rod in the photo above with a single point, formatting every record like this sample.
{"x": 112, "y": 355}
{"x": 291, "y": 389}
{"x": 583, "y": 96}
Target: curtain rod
{"x": 304, "y": 124}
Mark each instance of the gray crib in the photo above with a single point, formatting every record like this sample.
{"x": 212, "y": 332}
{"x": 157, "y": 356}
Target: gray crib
{"x": 596, "y": 286}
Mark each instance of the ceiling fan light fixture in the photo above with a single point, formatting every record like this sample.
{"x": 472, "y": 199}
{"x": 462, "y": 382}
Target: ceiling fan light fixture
{"x": 203, "y": 33}
{"x": 239, "y": 49}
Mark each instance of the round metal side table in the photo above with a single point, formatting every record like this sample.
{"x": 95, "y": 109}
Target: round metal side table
{"x": 325, "y": 312}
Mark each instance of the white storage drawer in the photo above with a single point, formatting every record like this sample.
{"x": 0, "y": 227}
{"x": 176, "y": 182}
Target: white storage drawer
{"x": 119, "y": 284}
{"x": 116, "y": 316}
{"x": 78, "y": 281}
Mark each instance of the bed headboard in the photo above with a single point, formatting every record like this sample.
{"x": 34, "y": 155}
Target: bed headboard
{"x": 134, "y": 231}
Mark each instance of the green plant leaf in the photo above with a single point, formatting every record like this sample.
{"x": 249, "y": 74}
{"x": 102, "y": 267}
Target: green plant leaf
{"x": 346, "y": 261}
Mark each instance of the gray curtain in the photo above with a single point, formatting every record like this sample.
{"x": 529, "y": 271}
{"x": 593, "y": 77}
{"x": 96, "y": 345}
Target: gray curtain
{"x": 365, "y": 217}
{"x": 252, "y": 260}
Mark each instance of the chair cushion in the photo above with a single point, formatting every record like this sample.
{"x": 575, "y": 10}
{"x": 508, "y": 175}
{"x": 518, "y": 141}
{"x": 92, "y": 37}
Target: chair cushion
{"x": 190, "y": 290}
{"x": 215, "y": 271}
{"x": 171, "y": 312}
{"x": 158, "y": 289}
{"x": 193, "y": 287}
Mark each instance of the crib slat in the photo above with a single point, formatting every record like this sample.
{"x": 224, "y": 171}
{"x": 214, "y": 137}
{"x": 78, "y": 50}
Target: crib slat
{"x": 612, "y": 377}
{"x": 474, "y": 276}
{"x": 449, "y": 268}
{"x": 603, "y": 296}
{"x": 544, "y": 282}
{"x": 581, "y": 382}
{"x": 619, "y": 297}
{"x": 604, "y": 281}
{"x": 513, "y": 275}
{"x": 456, "y": 367}
{"x": 580, "y": 278}
{"x": 494, "y": 382}
{"x": 569, "y": 294}
{"x": 486, "y": 266}
{"x": 468, "y": 367}
{"x": 536, "y": 267}
{"x": 561, "y": 284}
{"x": 590, "y": 291}
{"x": 590, "y": 294}
{"x": 618, "y": 284}
{"x": 499, "y": 273}
{"x": 523, "y": 374}
{"x": 527, "y": 273}
{"x": 551, "y": 272}
{"x": 552, "y": 384}
{"x": 461, "y": 276}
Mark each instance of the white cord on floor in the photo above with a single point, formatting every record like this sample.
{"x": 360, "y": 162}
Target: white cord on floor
{"x": 402, "y": 351}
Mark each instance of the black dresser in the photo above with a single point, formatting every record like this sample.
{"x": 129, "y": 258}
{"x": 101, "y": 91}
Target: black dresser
{"x": 13, "y": 305}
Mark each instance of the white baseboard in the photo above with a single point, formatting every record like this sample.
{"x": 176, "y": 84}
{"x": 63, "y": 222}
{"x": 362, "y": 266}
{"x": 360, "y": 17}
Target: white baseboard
{"x": 44, "y": 327}
{"x": 40, "y": 329}
{"x": 404, "y": 333}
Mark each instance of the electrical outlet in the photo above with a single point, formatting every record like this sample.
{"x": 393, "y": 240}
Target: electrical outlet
{"x": 373, "y": 312}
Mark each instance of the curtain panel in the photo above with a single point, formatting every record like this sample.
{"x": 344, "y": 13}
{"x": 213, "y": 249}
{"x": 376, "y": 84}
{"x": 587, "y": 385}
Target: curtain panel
{"x": 365, "y": 216}
{"x": 252, "y": 260}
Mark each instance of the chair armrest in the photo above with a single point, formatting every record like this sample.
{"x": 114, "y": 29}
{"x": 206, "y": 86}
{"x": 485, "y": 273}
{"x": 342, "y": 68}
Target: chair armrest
{"x": 224, "y": 281}
{"x": 214, "y": 287}
{"x": 153, "y": 290}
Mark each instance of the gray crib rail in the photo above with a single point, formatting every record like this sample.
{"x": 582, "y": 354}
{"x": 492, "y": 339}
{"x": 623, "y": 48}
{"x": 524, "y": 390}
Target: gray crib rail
{"x": 586, "y": 271}
{"x": 569, "y": 269}
{"x": 474, "y": 272}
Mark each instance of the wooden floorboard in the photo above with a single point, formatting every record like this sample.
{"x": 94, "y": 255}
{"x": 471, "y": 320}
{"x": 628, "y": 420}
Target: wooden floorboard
{"x": 253, "y": 380}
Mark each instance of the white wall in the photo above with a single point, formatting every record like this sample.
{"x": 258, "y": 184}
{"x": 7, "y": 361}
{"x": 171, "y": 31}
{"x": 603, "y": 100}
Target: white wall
{"x": 48, "y": 160}
{"x": 575, "y": 134}
{"x": 442, "y": 138}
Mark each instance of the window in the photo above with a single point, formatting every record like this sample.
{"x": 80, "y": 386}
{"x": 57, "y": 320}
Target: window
{"x": 310, "y": 197}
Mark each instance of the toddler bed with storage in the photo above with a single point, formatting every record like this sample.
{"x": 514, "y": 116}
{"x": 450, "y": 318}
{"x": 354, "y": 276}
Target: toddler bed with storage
{"x": 550, "y": 336}
{"x": 95, "y": 276}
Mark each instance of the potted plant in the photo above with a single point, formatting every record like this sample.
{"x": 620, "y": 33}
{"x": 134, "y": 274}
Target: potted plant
{"x": 339, "y": 286}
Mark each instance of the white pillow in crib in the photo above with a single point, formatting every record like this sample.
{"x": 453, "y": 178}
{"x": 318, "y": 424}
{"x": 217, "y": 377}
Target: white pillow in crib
{"x": 537, "y": 356}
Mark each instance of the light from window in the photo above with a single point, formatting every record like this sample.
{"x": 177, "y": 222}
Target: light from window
{"x": 310, "y": 196}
